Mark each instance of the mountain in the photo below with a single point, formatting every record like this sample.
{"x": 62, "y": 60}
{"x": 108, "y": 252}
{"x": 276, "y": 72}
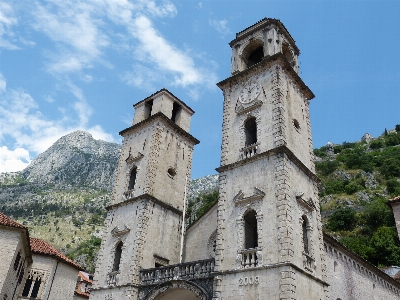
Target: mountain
{"x": 61, "y": 196}
{"x": 76, "y": 159}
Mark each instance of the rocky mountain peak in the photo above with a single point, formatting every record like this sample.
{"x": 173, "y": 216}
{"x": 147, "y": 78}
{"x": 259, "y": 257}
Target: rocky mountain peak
{"x": 76, "y": 158}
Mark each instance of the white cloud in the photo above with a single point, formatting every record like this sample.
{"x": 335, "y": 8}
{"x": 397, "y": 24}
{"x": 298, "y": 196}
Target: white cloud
{"x": 22, "y": 122}
{"x": 7, "y": 20}
{"x": 2, "y": 83}
{"x": 13, "y": 160}
{"x": 220, "y": 25}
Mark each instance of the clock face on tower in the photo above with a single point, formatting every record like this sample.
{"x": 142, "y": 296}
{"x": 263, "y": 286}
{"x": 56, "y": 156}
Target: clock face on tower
{"x": 249, "y": 93}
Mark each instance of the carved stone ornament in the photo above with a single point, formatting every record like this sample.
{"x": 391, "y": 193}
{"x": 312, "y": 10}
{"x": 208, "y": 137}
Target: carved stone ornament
{"x": 258, "y": 194}
{"x": 307, "y": 204}
{"x": 117, "y": 231}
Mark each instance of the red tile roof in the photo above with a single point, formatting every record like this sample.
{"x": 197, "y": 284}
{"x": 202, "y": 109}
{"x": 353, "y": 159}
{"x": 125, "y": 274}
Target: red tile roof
{"x": 7, "y": 221}
{"x": 395, "y": 198}
{"x": 85, "y": 276}
{"x": 40, "y": 246}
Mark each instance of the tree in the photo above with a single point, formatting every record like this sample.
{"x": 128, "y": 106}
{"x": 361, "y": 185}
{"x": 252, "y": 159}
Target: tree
{"x": 397, "y": 128}
{"x": 342, "y": 219}
{"x": 386, "y": 246}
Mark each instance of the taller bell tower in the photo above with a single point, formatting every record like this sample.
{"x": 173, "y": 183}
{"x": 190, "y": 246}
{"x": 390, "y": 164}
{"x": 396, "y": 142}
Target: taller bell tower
{"x": 269, "y": 236}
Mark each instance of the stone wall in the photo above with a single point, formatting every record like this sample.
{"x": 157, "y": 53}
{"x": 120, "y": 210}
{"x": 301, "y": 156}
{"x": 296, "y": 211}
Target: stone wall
{"x": 200, "y": 237}
{"x": 64, "y": 282}
{"x": 12, "y": 241}
{"x": 351, "y": 277}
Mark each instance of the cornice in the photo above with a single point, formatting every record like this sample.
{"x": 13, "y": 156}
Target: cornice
{"x": 265, "y": 22}
{"x": 167, "y": 121}
{"x": 261, "y": 66}
{"x": 165, "y": 91}
{"x": 275, "y": 151}
{"x": 146, "y": 197}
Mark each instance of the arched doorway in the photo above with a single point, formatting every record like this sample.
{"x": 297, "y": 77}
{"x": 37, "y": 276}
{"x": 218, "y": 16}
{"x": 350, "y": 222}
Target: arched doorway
{"x": 177, "y": 294}
{"x": 178, "y": 290}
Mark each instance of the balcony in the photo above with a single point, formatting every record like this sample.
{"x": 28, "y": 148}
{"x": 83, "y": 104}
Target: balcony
{"x": 128, "y": 194}
{"x": 308, "y": 262}
{"x": 249, "y": 151}
{"x": 185, "y": 271}
{"x": 249, "y": 258}
{"x": 112, "y": 278}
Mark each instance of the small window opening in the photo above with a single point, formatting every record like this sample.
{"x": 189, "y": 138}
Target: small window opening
{"x": 250, "y": 128}
{"x": 250, "y": 230}
{"x": 117, "y": 257}
{"x": 27, "y": 288}
{"x": 132, "y": 179}
{"x": 305, "y": 234}
{"x": 148, "y": 108}
{"x": 35, "y": 289}
{"x": 176, "y": 110}
{"x": 296, "y": 124}
{"x": 16, "y": 262}
{"x": 171, "y": 172}
{"x": 158, "y": 265}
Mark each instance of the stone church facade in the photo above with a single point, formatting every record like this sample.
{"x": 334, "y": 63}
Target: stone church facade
{"x": 263, "y": 239}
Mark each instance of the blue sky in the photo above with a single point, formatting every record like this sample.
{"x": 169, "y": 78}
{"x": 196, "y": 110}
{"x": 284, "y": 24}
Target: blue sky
{"x": 68, "y": 65}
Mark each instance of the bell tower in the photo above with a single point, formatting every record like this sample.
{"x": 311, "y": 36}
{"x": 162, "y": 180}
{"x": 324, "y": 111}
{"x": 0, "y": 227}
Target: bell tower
{"x": 269, "y": 235}
{"x": 144, "y": 220}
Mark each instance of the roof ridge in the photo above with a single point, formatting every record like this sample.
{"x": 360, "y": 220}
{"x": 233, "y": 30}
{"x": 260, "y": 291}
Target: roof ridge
{"x": 42, "y": 247}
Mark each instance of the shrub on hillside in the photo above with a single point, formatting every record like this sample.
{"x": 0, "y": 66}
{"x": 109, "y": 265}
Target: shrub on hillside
{"x": 342, "y": 219}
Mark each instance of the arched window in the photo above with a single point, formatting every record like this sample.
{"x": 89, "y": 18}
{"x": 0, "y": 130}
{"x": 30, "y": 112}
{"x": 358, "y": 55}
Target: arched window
{"x": 132, "y": 179}
{"x": 253, "y": 53}
{"x": 250, "y": 129}
{"x": 117, "y": 257}
{"x": 305, "y": 234}
{"x": 250, "y": 230}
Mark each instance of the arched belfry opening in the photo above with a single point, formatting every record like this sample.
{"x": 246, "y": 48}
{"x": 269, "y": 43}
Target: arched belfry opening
{"x": 132, "y": 179}
{"x": 117, "y": 257}
{"x": 250, "y": 129}
{"x": 288, "y": 54}
{"x": 250, "y": 230}
{"x": 305, "y": 234}
{"x": 176, "y": 112}
{"x": 253, "y": 53}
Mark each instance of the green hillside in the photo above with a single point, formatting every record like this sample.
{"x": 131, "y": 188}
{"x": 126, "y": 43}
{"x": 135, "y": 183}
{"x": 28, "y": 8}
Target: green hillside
{"x": 356, "y": 182}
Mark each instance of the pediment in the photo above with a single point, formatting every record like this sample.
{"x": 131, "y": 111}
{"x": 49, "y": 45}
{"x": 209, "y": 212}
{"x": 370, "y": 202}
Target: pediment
{"x": 242, "y": 108}
{"x": 131, "y": 158}
{"x": 240, "y": 197}
{"x": 308, "y": 204}
{"x": 117, "y": 231}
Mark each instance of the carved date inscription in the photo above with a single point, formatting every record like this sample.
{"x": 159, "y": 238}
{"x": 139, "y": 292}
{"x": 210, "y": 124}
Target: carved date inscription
{"x": 249, "y": 280}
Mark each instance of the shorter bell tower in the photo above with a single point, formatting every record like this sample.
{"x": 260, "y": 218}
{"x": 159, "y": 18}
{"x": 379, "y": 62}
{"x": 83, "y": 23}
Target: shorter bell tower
{"x": 144, "y": 219}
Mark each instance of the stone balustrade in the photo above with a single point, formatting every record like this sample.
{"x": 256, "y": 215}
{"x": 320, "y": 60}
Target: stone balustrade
{"x": 112, "y": 278}
{"x": 249, "y": 151}
{"x": 308, "y": 262}
{"x": 249, "y": 258}
{"x": 128, "y": 194}
{"x": 184, "y": 271}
